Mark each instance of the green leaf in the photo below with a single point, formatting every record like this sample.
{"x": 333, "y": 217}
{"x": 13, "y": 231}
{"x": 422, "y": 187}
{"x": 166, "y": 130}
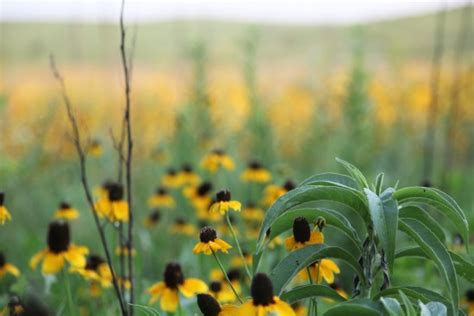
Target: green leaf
{"x": 379, "y": 184}
{"x": 299, "y": 259}
{"x": 409, "y": 309}
{"x": 392, "y": 306}
{"x": 330, "y": 178}
{"x": 384, "y": 213}
{"x": 308, "y": 193}
{"x": 437, "y": 309}
{"x": 310, "y": 290}
{"x": 437, "y": 252}
{"x": 360, "y": 307}
{"x": 463, "y": 267}
{"x": 417, "y": 293}
{"x": 437, "y": 199}
{"x": 285, "y": 222}
{"x": 355, "y": 173}
{"x": 421, "y": 215}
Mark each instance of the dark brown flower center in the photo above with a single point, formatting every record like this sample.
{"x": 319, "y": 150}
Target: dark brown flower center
{"x": 155, "y": 216}
{"x": 262, "y": 290}
{"x": 173, "y": 275}
{"x": 208, "y": 305}
{"x": 301, "y": 230}
{"x": 233, "y": 274}
{"x": 171, "y": 172}
{"x": 215, "y": 286}
{"x": 115, "y": 192}
{"x": 187, "y": 168}
{"x": 2, "y": 260}
{"x": 223, "y": 195}
{"x": 289, "y": 185}
{"x": 64, "y": 206}
{"x": 470, "y": 295}
{"x": 204, "y": 188}
{"x": 207, "y": 234}
{"x": 255, "y": 165}
{"x": 58, "y": 236}
{"x": 218, "y": 152}
{"x": 93, "y": 262}
{"x": 161, "y": 191}
{"x": 2, "y": 198}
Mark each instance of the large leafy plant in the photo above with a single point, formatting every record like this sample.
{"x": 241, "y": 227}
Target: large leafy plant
{"x": 342, "y": 201}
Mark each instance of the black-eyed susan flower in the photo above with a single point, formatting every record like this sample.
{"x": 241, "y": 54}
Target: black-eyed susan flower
{"x": 161, "y": 198}
{"x": 7, "y": 268}
{"x": 183, "y": 227}
{"x": 221, "y": 292}
{"x": 66, "y": 212}
{"x": 60, "y": 250}
{"x": 188, "y": 176}
{"x": 174, "y": 282}
{"x": 209, "y": 242}
{"x": 95, "y": 270}
{"x": 171, "y": 179}
{"x": 113, "y": 205}
{"x": 95, "y": 148}
{"x": 252, "y": 213}
{"x": 210, "y": 307}
{"x": 322, "y": 269}
{"x": 468, "y": 301}
{"x": 216, "y": 160}
{"x": 152, "y": 219}
{"x": 233, "y": 275}
{"x": 199, "y": 196}
{"x": 302, "y": 235}
{"x": 263, "y": 301}
{"x": 255, "y": 172}
{"x": 4, "y": 214}
{"x": 224, "y": 202}
{"x": 273, "y": 192}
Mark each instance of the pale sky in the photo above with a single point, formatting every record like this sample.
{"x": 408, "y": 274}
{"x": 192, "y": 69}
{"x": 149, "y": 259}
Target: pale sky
{"x": 277, "y": 11}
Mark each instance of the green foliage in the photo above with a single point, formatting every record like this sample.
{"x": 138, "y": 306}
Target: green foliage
{"x": 391, "y": 218}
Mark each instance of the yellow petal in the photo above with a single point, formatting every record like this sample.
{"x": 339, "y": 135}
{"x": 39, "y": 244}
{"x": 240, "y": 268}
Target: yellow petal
{"x": 247, "y": 309}
{"x": 228, "y": 310}
{"x": 76, "y": 256}
{"x": 12, "y": 269}
{"x": 193, "y": 286}
{"x": 331, "y": 265}
{"x": 52, "y": 263}
{"x": 169, "y": 300}
{"x": 224, "y": 245}
{"x": 316, "y": 237}
{"x": 327, "y": 274}
{"x": 37, "y": 258}
{"x": 157, "y": 288}
{"x": 290, "y": 243}
{"x": 282, "y": 308}
{"x": 235, "y": 205}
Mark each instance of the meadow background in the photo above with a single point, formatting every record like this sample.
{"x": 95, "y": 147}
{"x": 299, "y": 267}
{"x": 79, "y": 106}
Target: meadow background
{"x": 292, "y": 97}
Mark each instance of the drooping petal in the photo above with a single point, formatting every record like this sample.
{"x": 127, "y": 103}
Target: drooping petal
{"x": 12, "y": 269}
{"x": 75, "y": 256}
{"x": 331, "y": 265}
{"x": 37, "y": 258}
{"x": 169, "y": 300}
{"x": 52, "y": 263}
{"x": 290, "y": 243}
{"x": 316, "y": 238}
{"x": 283, "y": 308}
{"x": 247, "y": 309}
{"x": 192, "y": 286}
{"x": 157, "y": 288}
{"x": 235, "y": 205}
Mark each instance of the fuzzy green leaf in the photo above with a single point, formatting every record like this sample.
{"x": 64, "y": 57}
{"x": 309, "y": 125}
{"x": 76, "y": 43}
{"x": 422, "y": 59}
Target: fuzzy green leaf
{"x": 311, "y": 290}
{"x": 437, "y": 252}
{"x": 299, "y": 259}
{"x": 330, "y": 178}
{"x": 355, "y": 173}
{"x": 308, "y": 193}
{"x": 384, "y": 213}
{"x": 360, "y": 307}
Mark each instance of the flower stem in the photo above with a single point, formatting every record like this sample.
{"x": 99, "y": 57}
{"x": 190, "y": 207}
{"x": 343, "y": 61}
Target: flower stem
{"x": 67, "y": 284}
{"x": 226, "y": 277}
{"x": 313, "y": 303}
{"x": 238, "y": 246}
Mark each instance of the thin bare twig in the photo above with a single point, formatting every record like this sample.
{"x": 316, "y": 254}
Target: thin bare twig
{"x": 128, "y": 161}
{"x": 76, "y": 138}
